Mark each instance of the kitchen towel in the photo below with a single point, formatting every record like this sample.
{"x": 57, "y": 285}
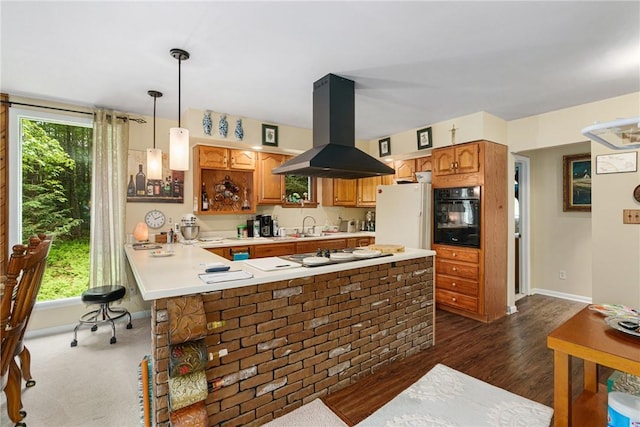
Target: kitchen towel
{"x": 187, "y": 357}
{"x": 187, "y": 320}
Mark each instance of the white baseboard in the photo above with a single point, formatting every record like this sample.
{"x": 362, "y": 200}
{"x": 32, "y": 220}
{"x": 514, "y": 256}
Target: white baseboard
{"x": 511, "y": 309}
{"x": 69, "y": 327}
{"x": 563, "y": 295}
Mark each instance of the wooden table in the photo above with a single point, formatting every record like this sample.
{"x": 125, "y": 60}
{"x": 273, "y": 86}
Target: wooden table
{"x": 588, "y": 337}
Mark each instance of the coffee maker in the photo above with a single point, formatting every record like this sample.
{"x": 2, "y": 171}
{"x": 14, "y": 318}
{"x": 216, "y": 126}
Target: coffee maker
{"x": 266, "y": 226}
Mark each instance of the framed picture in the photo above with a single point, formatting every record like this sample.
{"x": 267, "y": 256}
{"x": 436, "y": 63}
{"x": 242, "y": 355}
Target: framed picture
{"x": 617, "y": 163}
{"x": 424, "y": 138}
{"x": 269, "y": 135}
{"x": 576, "y": 180}
{"x": 385, "y": 146}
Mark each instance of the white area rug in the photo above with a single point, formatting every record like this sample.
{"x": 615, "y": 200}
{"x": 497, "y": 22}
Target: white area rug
{"x": 314, "y": 414}
{"x": 446, "y": 397}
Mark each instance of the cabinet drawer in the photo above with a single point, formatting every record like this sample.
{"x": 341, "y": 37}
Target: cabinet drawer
{"x": 262, "y": 251}
{"x": 455, "y": 284}
{"x": 314, "y": 245}
{"x": 450, "y": 268}
{"x": 456, "y": 300}
{"x": 458, "y": 254}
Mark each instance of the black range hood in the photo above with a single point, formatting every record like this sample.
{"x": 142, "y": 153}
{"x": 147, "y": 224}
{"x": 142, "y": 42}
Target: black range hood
{"x": 334, "y": 154}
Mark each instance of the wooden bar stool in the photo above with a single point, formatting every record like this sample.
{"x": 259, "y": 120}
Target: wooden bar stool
{"x": 103, "y": 295}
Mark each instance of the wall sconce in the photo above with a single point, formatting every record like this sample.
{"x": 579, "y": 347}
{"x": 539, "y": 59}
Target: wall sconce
{"x": 179, "y": 137}
{"x": 154, "y": 155}
{"x": 141, "y": 232}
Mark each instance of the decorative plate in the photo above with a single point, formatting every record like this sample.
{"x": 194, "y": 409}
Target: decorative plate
{"x": 365, "y": 253}
{"x": 341, "y": 256}
{"x": 159, "y": 254}
{"x": 615, "y": 323}
{"x": 315, "y": 260}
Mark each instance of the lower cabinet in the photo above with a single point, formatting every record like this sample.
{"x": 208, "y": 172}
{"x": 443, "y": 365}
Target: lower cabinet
{"x": 288, "y": 248}
{"x": 458, "y": 274}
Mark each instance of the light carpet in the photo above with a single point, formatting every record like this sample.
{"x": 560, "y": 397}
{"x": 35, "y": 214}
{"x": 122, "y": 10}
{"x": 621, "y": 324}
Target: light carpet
{"x": 446, "y": 397}
{"x": 314, "y": 413}
{"x": 93, "y": 384}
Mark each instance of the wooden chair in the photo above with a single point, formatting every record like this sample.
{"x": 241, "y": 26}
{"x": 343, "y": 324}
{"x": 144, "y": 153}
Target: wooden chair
{"x": 24, "y": 276}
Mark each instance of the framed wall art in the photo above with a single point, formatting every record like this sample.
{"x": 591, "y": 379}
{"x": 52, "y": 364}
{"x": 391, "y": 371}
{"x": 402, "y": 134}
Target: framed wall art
{"x": 617, "y": 163}
{"x": 576, "y": 180}
{"x": 424, "y": 138}
{"x": 384, "y": 145}
{"x": 270, "y": 135}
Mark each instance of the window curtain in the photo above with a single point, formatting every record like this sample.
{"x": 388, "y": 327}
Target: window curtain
{"x": 108, "y": 198}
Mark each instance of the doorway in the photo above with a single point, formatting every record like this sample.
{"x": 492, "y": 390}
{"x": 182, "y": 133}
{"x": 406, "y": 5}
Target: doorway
{"x": 521, "y": 209}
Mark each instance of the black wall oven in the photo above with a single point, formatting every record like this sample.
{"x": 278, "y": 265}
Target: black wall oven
{"x": 456, "y": 216}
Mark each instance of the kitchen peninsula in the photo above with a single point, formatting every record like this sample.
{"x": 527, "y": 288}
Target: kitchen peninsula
{"x": 292, "y": 335}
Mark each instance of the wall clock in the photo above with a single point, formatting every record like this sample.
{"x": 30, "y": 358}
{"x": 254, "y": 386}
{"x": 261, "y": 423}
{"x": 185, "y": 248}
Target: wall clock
{"x": 636, "y": 194}
{"x": 155, "y": 218}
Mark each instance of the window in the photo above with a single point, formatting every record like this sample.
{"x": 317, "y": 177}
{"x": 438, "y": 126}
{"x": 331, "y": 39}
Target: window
{"x": 50, "y": 187}
{"x": 300, "y": 191}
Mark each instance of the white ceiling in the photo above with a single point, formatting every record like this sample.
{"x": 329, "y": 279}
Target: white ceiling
{"x": 414, "y": 63}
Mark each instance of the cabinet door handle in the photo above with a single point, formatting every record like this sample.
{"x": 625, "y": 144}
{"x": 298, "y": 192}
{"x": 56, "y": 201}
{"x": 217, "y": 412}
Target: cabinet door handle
{"x": 233, "y": 161}
{"x": 454, "y": 299}
{"x": 454, "y": 254}
{"x": 455, "y": 268}
{"x": 453, "y": 284}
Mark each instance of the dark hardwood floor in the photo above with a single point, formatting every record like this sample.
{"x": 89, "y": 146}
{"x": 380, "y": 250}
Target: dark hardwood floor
{"x": 510, "y": 353}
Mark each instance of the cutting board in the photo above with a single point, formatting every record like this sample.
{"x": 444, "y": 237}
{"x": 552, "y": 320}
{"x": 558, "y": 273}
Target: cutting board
{"x": 387, "y": 249}
{"x": 272, "y": 263}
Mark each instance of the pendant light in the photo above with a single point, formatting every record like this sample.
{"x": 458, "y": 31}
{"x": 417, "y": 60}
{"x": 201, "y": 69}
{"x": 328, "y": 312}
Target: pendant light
{"x": 154, "y": 155}
{"x": 179, "y": 137}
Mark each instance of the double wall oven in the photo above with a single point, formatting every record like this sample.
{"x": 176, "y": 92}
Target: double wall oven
{"x": 456, "y": 216}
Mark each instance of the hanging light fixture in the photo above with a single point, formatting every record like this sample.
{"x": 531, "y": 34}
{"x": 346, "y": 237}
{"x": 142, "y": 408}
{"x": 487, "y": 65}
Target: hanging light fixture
{"x": 179, "y": 137}
{"x": 154, "y": 155}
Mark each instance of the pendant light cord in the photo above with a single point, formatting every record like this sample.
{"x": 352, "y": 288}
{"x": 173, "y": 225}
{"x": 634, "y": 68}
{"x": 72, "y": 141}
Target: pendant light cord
{"x": 179, "y": 87}
{"x": 154, "y": 122}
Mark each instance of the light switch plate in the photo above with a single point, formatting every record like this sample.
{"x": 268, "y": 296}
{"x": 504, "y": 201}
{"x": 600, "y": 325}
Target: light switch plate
{"x": 631, "y": 216}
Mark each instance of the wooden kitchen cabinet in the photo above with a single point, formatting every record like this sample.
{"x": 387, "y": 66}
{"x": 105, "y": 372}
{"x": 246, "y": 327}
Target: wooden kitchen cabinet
{"x": 405, "y": 169}
{"x": 225, "y": 158}
{"x": 356, "y": 242}
{"x": 275, "y": 249}
{"x": 270, "y": 186}
{"x": 339, "y": 192}
{"x": 366, "y": 189}
{"x": 473, "y": 281}
{"x": 214, "y": 166}
{"x": 423, "y": 164}
{"x": 228, "y": 251}
{"x": 314, "y": 245}
{"x": 459, "y": 159}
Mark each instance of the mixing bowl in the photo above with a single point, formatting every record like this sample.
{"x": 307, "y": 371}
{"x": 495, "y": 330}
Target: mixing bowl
{"x": 190, "y": 232}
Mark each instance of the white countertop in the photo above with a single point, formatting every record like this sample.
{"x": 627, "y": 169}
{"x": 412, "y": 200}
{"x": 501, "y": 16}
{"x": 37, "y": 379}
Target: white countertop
{"x": 176, "y": 275}
{"x": 227, "y": 241}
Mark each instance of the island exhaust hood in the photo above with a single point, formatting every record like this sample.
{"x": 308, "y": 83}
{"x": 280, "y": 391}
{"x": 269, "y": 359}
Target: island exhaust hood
{"x": 621, "y": 134}
{"x": 334, "y": 154}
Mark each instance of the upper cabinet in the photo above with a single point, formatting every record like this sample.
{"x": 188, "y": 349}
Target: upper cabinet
{"x": 423, "y": 164}
{"x": 359, "y": 192}
{"x": 463, "y": 158}
{"x": 225, "y": 158}
{"x": 270, "y": 186}
{"x": 227, "y": 178}
{"x": 285, "y": 190}
{"x": 405, "y": 169}
{"x": 367, "y": 189}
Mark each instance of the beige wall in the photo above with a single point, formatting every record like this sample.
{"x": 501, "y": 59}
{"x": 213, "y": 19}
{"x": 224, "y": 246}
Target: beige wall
{"x": 559, "y": 240}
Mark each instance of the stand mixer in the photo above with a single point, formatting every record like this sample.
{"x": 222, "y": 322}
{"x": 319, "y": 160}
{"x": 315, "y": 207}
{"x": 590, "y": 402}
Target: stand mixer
{"x": 188, "y": 229}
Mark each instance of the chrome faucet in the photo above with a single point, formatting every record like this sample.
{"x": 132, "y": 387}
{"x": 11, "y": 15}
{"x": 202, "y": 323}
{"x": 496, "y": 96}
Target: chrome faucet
{"x": 304, "y": 220}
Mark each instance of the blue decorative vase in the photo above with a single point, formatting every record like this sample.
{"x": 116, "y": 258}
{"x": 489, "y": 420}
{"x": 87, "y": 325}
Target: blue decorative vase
{"x": 223, "y": 126}
{"x": 239, "y": 131}
{"x": 207, "y": 123}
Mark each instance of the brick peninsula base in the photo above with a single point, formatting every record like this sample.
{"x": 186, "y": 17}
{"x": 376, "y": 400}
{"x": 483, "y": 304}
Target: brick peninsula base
{"x": 293, "y": 341}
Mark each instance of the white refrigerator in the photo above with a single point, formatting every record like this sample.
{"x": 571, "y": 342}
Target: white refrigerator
{"x": 403, "y": 215}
